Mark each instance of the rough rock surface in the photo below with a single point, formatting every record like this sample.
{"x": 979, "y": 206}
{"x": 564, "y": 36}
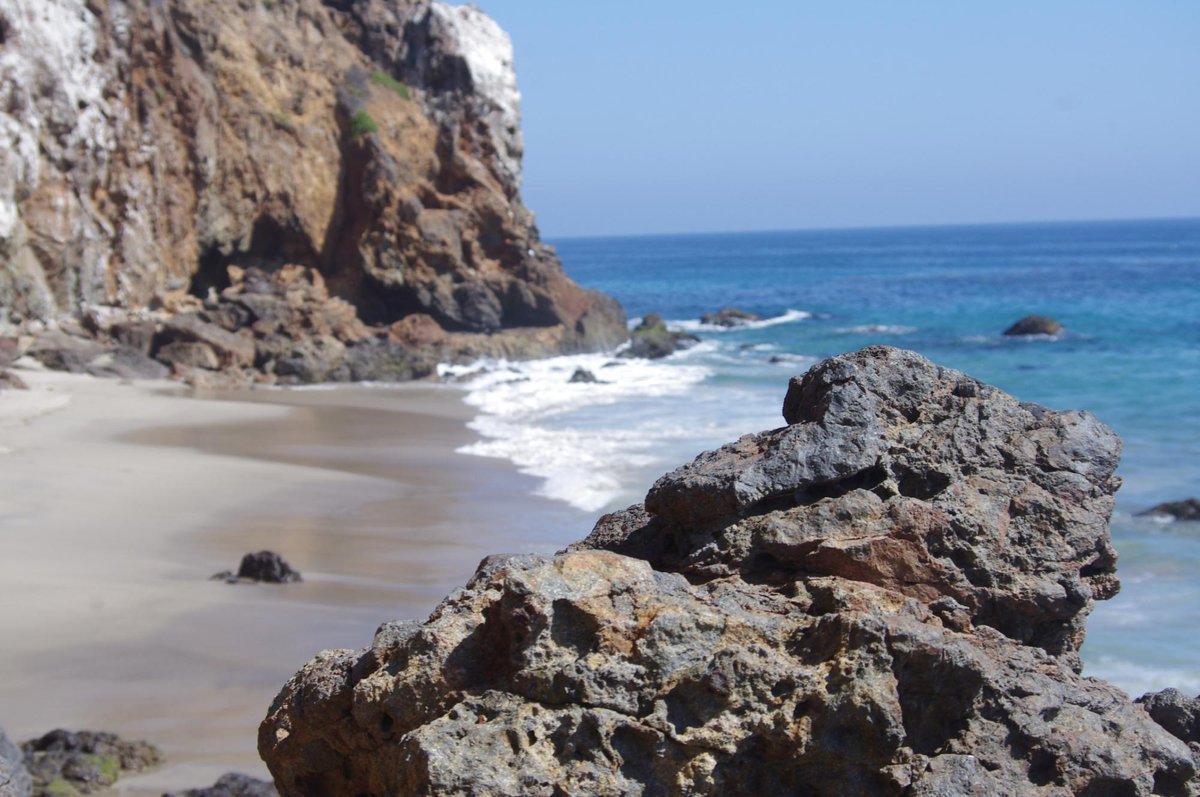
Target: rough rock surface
{"x": 1178, "y": 714}
{"x": 652, "y": 340}
{"x": 1034, "y": 325}
{"x": 63, "y": 763}
{"x": 884, "y": 597}
{"x": 146, "y": 145}
{"x": 729, "y": 317}
{"x": 232, "y": 784}
{"x": 14, "y": 778}
{"x": 1187, "y": 509}
{"x": 262, "y": 566}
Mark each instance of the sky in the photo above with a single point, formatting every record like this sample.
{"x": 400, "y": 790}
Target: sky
{"x": 665, "y": 116}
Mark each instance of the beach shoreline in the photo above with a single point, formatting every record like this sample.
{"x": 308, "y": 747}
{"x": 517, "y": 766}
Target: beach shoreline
{"x": 123, "y": 499}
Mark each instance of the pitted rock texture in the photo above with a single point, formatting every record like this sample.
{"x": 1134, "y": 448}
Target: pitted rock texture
{"x": 149, "y": 144}
{"x": 697, "y": 667}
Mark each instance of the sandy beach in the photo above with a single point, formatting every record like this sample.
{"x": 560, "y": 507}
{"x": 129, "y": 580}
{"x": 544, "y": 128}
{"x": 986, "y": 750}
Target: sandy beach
{"x": 121, "y": 500}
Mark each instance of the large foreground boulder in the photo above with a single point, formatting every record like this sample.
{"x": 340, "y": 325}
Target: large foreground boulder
{"x": 884, "y": 597}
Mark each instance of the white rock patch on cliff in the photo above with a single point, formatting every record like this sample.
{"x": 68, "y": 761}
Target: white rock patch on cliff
{"x": 53, "y": 102}
{"x": 488, "y": 53}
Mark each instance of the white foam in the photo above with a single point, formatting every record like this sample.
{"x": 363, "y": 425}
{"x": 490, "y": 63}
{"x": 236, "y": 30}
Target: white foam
{"x": 583, "y": 465}
{"x": 1137, "y": 679}
{"x": 877, "y": 329}
{"x": 788, "y": 317}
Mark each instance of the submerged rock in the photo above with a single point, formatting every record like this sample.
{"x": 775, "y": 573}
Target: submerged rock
{"x": 1187, "y": 509}
{"x": 1034, "y": 325}
{"x": 63, "y": 763}
{"x": 884, "y": 597}
{"x": 14, "y": 777}
{"x": 583, "y": 375}
{"x": 263, "y": 566}
{"x": 651, "y": 340}
{"x": 729, "y": 317}
{"x": 232, "y": 784}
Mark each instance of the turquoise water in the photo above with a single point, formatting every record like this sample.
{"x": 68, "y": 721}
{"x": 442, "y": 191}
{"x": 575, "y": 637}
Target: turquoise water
{"x": 1128, "y": 294}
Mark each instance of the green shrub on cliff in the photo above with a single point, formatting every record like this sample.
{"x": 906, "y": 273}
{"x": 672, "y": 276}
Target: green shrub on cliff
{"x": 361, "y": 124}
{"x": 389, "y": 82}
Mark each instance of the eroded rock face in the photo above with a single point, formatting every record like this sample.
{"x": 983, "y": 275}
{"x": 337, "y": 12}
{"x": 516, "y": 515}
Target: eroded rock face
{"x": 884, "y": 597}
{"x": 149, "y": 145}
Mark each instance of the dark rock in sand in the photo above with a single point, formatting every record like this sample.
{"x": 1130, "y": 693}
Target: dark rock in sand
{"x": 885, "y": 597}
{"x": 265, "y": 566}
{"x": 651, "y": 340}
{"x": 14, "y": 777}
{"x": 729, "y": 317}
{"x": 583, "y": 375}
{"x": 1187, "y": 509}
{"x": 1034, "y": 325}
{"x": 232, "y": 784}
{"x": 63, "y": 763}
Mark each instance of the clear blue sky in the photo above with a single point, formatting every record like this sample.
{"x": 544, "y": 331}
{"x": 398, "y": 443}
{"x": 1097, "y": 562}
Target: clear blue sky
{"x": 671, "y": 116}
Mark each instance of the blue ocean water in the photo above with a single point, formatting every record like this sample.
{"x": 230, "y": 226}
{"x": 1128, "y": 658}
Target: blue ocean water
{"x": 1128, "y": 294}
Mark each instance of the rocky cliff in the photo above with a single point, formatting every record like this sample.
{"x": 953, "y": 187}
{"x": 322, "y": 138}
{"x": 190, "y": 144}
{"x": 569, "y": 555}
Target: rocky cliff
{"x": 148, "y": 145}
{"x": 886, "y": 596}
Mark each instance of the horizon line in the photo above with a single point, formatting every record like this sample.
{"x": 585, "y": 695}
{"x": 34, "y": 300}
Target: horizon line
{"x": 873, "y": 228}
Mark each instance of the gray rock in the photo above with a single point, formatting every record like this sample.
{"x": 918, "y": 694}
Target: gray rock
{"x": 232, "y": 784}
{"x": 1034, "y": 325}
{"x": 126, "y": 363}
{"x": 729, "y": 317}
{"x": 1178, "y": 714}
{"x": 651, "y": 340}
{"x": 82, "y": 762}
{"x": 885, "y": 597}
{"x": 584, "y": 376}
{"x": 14, "y": 778}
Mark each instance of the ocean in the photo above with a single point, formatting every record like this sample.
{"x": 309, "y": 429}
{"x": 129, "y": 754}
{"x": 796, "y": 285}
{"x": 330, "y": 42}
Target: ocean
{"x": 1127, "y": 293}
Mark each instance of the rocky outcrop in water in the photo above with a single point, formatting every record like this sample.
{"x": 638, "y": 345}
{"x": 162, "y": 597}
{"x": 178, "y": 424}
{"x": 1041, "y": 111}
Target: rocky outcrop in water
{"x": 652, "y": 340}
{"x": 1034, "y": 325}
{"x": 1187, "y": 509}
{"x": 729, "y": 317}
{"x": 145, "y": 147}
{"x": 886, "y": 596}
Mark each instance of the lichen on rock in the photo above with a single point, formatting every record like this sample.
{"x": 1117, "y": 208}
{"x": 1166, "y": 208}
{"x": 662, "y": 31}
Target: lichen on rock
{"x": 886, "y": 596}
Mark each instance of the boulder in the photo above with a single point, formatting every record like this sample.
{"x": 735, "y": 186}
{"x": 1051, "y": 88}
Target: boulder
{"x": 231, "y": 349}
{"x": 1178, "y": 714}
{"x": 583, "y": 376}
{"x": 263, "y": 566}
{"x": 1187, "y": 509}
{"x": 651, "y": 340}
{"x": 1034, "y": 325}
{"x": 61, "y": 351}
{"x": 14, "y": 777}
{"x": 232, "y": 784}
{"x": 63, "y": 763}
{"x": 884, "y": 597}
{"x": 123, "y": 362}
{"x": 729, "y": 317}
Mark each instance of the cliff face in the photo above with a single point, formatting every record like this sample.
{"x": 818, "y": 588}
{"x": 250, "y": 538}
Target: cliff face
{"x": 886, "y": 596}
{"x": 146, "y": 145}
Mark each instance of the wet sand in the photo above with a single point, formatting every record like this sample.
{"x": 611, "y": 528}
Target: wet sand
{"x": 119, "y": 505}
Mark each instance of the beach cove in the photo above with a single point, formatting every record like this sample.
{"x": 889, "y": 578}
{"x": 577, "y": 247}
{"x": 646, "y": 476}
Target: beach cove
{"x": 124, "y": 499}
